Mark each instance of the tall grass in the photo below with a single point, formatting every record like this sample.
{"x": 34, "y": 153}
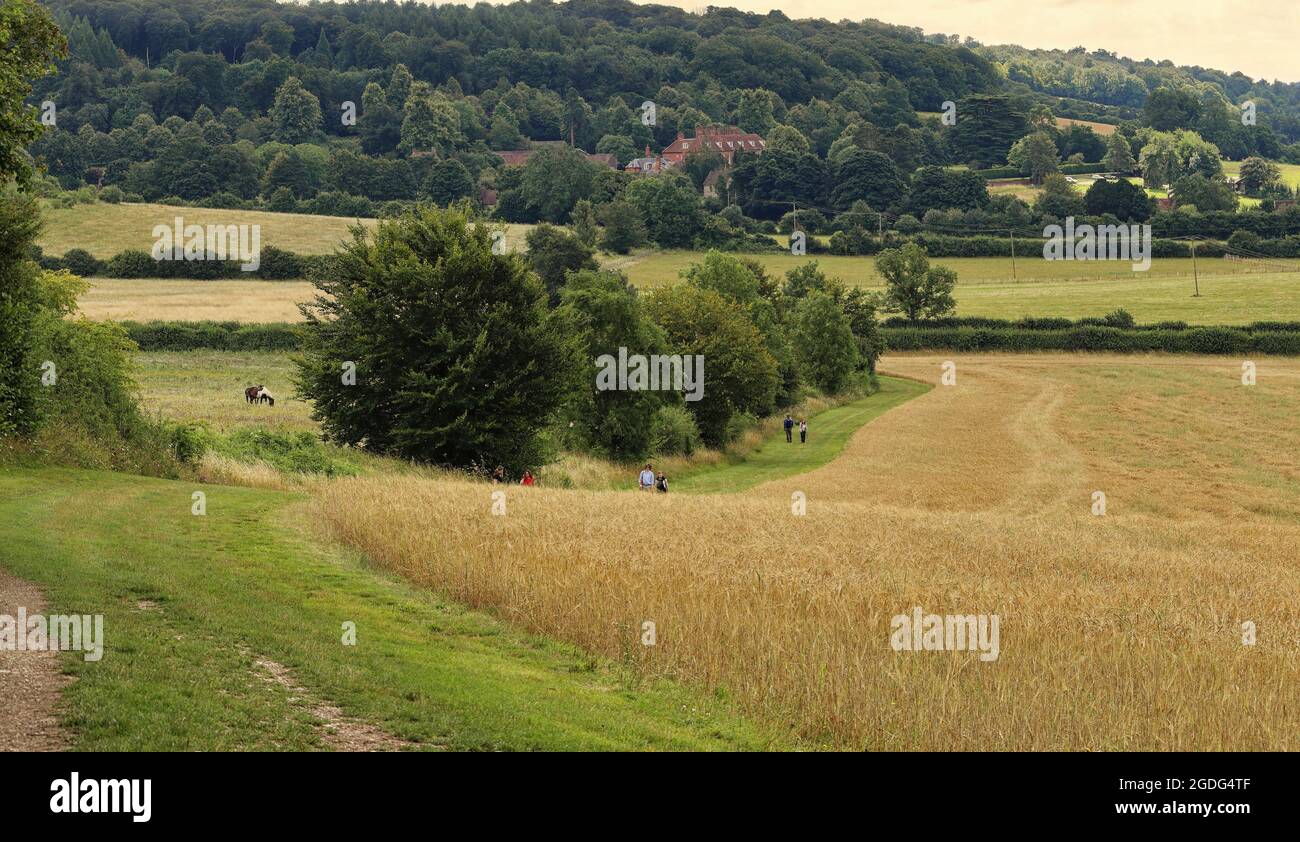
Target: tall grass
{"x": 1117, "y": 632}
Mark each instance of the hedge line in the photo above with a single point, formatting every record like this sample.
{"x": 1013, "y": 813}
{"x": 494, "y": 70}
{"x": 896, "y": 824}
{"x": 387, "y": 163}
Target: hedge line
{"x": 274, "y": 264}
{"x": 1118, "y": 319}
{"x": 1232, "y": 341}
{"x": 219, "y": 336}
{"x": 967, "y": 334}
{"x": 1014, "y": 172}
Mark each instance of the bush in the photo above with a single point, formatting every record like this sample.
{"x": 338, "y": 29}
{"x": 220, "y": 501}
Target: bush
{"x": 132, "y": 263}
{"x": 112, "y": 194}
{"x": 278, "y": 265}
{"x": 220, "y": 336}
{"x": 81, "y": 262}
{"x": 673, "y": 432}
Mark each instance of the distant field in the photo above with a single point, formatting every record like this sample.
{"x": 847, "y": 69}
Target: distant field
{"x": 209, "y": 385}
{"x": 104, "y": 230}
{"x": 1103, "y": 129}
{"x": 1290, "y": 172}
{"x": 187, "y": 300}
{"x": 1231, "y": 293}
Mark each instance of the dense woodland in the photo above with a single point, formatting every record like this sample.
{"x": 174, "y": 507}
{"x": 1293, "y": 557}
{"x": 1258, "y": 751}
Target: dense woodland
{"x": 339, "y": 109}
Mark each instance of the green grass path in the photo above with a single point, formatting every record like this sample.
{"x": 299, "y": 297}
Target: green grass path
{"x": 244, "y": 581}
{"x": 828, "y": 432}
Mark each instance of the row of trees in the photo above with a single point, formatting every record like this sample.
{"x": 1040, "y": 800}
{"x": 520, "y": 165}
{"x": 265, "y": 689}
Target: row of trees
{"x": 466, "y": 357}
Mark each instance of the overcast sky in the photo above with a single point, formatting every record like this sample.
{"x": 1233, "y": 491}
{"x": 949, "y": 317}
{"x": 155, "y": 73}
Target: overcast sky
{"x": 1260, "y": 38}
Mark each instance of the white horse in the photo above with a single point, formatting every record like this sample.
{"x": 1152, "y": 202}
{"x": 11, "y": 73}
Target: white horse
{"x": 263, "y": 396}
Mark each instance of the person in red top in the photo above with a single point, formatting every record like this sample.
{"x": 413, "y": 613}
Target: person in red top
{"x": 528, "y": 479}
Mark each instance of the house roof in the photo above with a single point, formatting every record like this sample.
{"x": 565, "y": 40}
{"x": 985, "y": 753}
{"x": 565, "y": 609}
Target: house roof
{"x": 724, "y": 139}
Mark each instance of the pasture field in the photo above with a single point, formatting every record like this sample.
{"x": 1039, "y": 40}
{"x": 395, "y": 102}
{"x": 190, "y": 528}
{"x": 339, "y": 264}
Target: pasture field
{"x": 225, "y": 633}
{"x": 1231, "y": 292}
{"x": 1290, "y": 172}
{"x": 209, "y": 386}
{"x": 1118, "y": 631}
{"x": 175, "y": 299}
{"x": 105, "y": 229}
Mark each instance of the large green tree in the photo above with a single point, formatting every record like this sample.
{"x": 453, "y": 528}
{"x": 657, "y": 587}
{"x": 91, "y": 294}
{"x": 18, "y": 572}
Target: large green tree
{"x": 31, "y": 42}
{"x": 913, "y": 287}
{"x": 605, "y": 312}
{"x": 456, "y": 359}
{"x": 295, "y": 115}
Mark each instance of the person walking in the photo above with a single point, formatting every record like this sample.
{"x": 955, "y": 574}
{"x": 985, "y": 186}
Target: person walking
{"x": 647, "y": 478}
{"x": 789, "y": 428}
{"x": 528, "y": 479}
{"x": 499, "y": 475}
{"x": 661, "y": 483}
{"x": 803, "y": 431}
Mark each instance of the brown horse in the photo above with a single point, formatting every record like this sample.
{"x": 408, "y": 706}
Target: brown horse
{"x": 253, "y": 393}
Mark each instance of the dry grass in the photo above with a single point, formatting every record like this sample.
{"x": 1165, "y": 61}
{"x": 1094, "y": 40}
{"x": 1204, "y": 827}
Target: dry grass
{"x": 145, "y": 299}
{"x": 1117, "y": 632}
{"x": 104, "y": 229}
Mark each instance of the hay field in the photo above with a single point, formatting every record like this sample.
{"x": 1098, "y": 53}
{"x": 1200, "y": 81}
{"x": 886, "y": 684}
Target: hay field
{"x": 105, "y": 229}
{"x": 144, "y": 299}
{"x": 1121, "y": 631}
{"x": 1231, "y": 293}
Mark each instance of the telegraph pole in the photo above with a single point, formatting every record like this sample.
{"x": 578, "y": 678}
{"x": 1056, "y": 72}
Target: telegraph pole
{"x": 1196, "y": 278}
{"x": 1012, "y": 232}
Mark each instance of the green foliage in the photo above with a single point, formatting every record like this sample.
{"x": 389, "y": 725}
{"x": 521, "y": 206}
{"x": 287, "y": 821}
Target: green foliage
{"x": 295, "y": 115}
{"x": 553, "y": 253}
{"x": 1122, "y": 199}
{"x": 605, "y": 313}
{"x": 457, "y": 361}
{"x": 624, "y": 227}
{"x": 912, "y": 286}
{"x": 673, "y": 431}
{"x": 670, "y": 207}
{"x": 824, "y": 341}
{"x": 31, "y": 42}
{"x": 740, "y": 374}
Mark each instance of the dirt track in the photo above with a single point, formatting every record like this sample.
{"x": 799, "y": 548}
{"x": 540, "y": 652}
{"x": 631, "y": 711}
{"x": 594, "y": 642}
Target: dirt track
{"x": 30, "y": 682}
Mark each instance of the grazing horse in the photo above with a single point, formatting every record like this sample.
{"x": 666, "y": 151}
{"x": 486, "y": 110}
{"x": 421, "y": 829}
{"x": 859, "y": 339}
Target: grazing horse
{"x": 252, "y": 393}
{"x": 266, "y": 397}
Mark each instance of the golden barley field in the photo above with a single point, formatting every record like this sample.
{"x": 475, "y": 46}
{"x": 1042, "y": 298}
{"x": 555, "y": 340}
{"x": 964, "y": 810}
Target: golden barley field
{"x": 1117, "y": 631}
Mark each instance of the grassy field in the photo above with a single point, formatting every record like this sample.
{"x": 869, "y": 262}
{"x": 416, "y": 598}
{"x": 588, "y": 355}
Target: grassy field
{"x": 105, "y": 229}
{"x": 1290, "y": 172}
{"x": 209, "y": 386}
{"x": 1231, "y": 293}
{"x": 1117, "y": 632}
{"x": 204, "y": 617}
{"x": 828, "y": 432}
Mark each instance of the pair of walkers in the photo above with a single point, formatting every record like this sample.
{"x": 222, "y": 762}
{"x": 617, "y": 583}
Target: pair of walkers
{"x": 499, "y": 476}
{"x": 789, "y": 429}
{"x": 647, "y": 480}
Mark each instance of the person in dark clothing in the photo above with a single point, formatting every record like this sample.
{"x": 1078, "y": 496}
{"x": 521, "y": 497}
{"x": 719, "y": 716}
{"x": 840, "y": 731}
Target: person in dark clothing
{"x": 661, "y": 483}
{"x": 499, "y": 475}
{"x": 789, "y": 428}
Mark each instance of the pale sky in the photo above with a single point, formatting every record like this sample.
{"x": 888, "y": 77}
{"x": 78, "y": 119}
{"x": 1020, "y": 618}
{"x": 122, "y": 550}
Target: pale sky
{"x": 1261, "y": 38}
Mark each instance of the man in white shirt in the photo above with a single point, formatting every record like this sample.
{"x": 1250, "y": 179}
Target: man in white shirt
{"x": 647, "y": 478}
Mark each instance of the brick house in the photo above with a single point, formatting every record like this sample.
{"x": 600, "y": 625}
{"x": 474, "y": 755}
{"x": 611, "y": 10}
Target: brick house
{"x": 725, "y": 140}
{"x": 648, "y": 164}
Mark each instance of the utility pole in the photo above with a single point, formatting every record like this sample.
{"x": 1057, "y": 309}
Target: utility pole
{"x": 1012, "y": 232}
{"x": 1196, "y": 278}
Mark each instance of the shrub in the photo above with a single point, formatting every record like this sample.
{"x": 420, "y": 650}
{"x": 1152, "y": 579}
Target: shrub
{"x": 81, "y": 262}
{"x": 132, "y": 263}
{"x": 112, "y": 194}
{"x": 673, "y": 431}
